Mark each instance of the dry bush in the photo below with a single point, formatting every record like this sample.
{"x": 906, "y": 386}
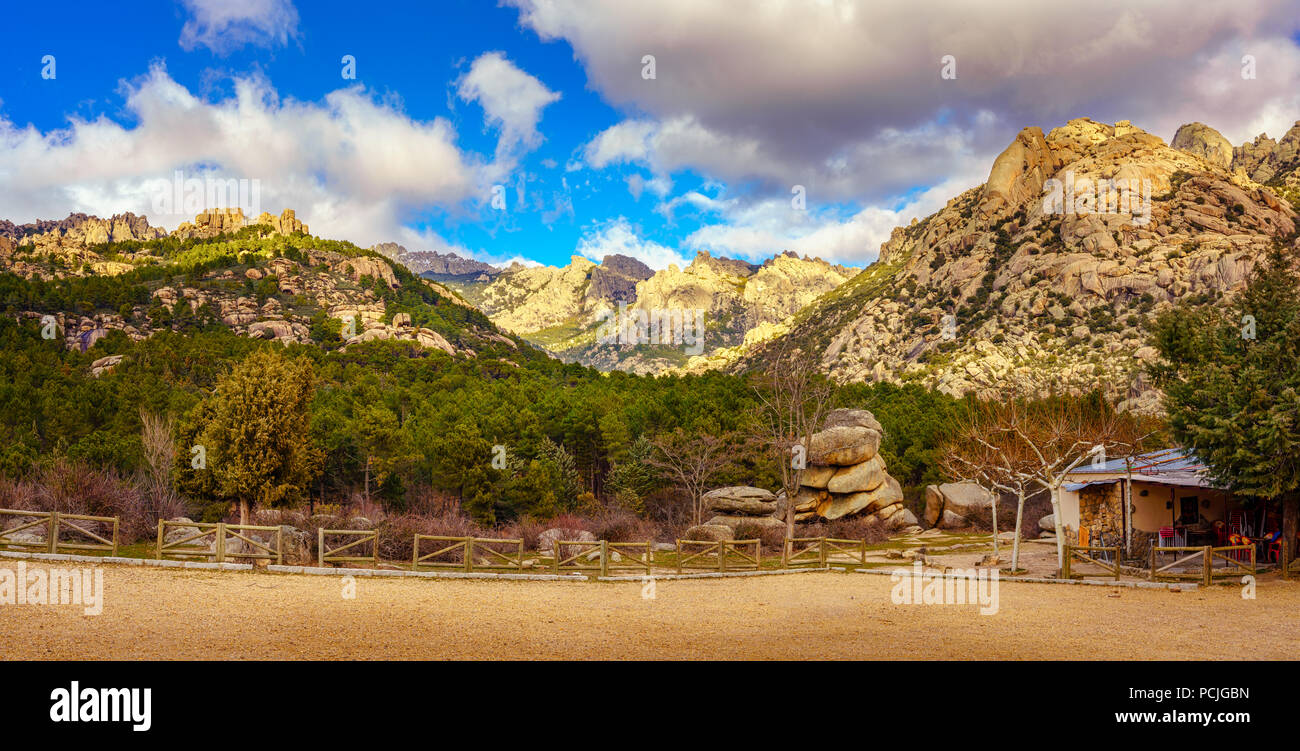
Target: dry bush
{"x": 397, "y": 534}
{"x": 19, "y": 495}
{"x": 75, "y": 488}
{"x": 771, "y": 538}
{"x": 858, "y": 528}
{"x": 623, "y": 526}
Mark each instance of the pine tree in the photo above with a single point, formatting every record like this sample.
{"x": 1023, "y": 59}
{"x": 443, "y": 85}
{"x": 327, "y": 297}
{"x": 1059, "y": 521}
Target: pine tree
{"x": 1231, "y": 379}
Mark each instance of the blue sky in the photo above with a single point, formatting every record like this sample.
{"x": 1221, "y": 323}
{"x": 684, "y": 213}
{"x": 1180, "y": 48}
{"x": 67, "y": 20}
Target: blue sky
{"x": 838, "y": 101}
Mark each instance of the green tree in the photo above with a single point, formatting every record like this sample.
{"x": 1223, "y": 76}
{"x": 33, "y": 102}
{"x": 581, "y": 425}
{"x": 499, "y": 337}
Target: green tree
{"x": 257, "y": 431}
{"x": 1231, "y": 381}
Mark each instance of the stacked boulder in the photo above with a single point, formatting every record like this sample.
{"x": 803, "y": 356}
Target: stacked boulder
{"x": 744, "y": 505}
{"x": 846, "y": 474}
{"x": 951, "y": 505}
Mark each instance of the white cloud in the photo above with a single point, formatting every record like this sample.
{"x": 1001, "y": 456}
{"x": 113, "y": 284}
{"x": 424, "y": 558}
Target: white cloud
{"x": 757, "y": 231}
{"x": 511, "y": 99}
{"x": 351, "y": 167}
{"x": 845, "y": 97}
{"x": 226, "y": 25}
{"x": 619, "y": 236}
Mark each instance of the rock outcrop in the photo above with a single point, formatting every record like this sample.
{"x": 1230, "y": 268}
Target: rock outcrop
{"x": 950, "y": 506}
{"x": 846, "y": 474}
{"x": 1045, "y": 279}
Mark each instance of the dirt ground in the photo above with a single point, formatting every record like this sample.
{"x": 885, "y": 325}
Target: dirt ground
{"x": 166, "y": 614}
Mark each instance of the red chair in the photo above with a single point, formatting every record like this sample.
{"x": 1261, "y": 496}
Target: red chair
{"x": 1166, "y": 538}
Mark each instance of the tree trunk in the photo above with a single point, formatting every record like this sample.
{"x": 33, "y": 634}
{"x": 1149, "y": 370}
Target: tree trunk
{"x": 1290, "y": 519}
{"x": 243, "y": 511}
{"x": 996, "y": 496}
{"x": 1060, "y": 529}
{"x": 1020, "y": 515}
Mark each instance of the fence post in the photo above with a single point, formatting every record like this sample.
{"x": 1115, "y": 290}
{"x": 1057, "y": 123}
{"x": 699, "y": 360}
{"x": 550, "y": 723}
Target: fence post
{"x": 221, "y": 542}
{"x": 679, "y": 556}
{"x": 469, "y": 554}
{"x": 821, "y": 553}
{"x": 758, "y": 554}
{"x": 864, "y": 551}
{"x": 161, "y": 524}
{"x": 1116, "y": 563}
{"x": 1209, "y": 561}
{"x": 320, "y": 546}
{"x": 115, "y": 537}
{"x": 1069, "y": 553}
{"x": 604, "y": 558}
{"x": 520, "y": 563}
{"x": 52, "y": 544}
{"x": 1253, "y": 564}
{"x": 1152, "y": 575}
{"x": 279, "y": 545}
{"x": 555, "y": 561}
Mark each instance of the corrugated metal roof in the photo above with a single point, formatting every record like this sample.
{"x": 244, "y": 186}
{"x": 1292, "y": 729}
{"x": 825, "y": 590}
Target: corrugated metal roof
{"x": 1177, "y": 466}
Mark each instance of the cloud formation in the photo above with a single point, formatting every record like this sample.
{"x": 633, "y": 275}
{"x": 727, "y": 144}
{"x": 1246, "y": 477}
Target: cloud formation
{"x": 619, "y": 236}
{"x": 350, "y": 165}
{"x": 226, "y": 25}
{"x": 846, "y": 97}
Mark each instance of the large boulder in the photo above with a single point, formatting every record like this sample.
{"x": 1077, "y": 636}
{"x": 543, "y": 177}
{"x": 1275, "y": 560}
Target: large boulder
{"x": 1048, "y": 523}
{"x": 709, "y": 533}
{"x": 843, "y": 446}
{"x": 859, "y": 477}
{"x": 766, "y": 522}
{"x": 887, "y": 494}
{"x": 952, "y": 501}
{"x": 852, "y": 418}
{"x": 741, "y": 499}
{"x": 808, "y": 499}
{"x": 817, "y": 477}
{"x": 546, "y": 540}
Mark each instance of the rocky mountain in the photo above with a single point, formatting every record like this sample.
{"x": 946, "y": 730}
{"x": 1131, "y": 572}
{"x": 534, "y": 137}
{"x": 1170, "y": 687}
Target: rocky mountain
{"x": 584, "y": 311}
{"x": 265, "y": 278}
{"x": 437, "y": 266}
{"x": 1044, "y": 278}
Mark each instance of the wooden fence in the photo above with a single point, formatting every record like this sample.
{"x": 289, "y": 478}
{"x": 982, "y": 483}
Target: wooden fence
{"x": 211, "y": 540}
{"x": 1091, "y": 554}
{"x": 714, "y": 555}
{"x": 579, "y": 561}
{"x": 468, "y": 547}
{"x": 54, "y": 524}
{"x": 816, "y": 551}
{"x": 1207, "y": 555}
{"x": 325, "y": 555}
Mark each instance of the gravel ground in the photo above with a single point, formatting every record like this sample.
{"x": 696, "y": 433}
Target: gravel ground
{"x": 164, "y": 614}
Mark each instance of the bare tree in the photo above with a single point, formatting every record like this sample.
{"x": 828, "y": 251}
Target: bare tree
{"x": 691, "y": 461}
{"x": 980, "y": 450}
{"x": 1021, "y": 445}
{"x": 795, "y": 397}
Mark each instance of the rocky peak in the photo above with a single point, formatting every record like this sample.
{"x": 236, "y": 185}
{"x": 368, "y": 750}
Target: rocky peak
{"x": 213, "y": 222}
{"x": 81, "y": 230}
{"x": 1203, "y": 141}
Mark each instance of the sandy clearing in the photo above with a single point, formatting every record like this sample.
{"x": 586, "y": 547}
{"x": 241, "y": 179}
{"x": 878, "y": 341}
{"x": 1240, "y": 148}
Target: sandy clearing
{"x": 165, "y": 614}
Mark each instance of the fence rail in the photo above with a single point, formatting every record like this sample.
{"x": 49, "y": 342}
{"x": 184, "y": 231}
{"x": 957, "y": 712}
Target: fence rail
{"x": 218, "y": 547}
{"x": 54, "y": 524}
{"x": 816, "y": 551}
{"x": 324, "y": 555}
{"x": 1207, "y": 555}
{"x": 1084, "y": 553}
{"x": 560, "y": 561}
{"x": 467, "y": 546}
{"x": 715, "y": 554}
